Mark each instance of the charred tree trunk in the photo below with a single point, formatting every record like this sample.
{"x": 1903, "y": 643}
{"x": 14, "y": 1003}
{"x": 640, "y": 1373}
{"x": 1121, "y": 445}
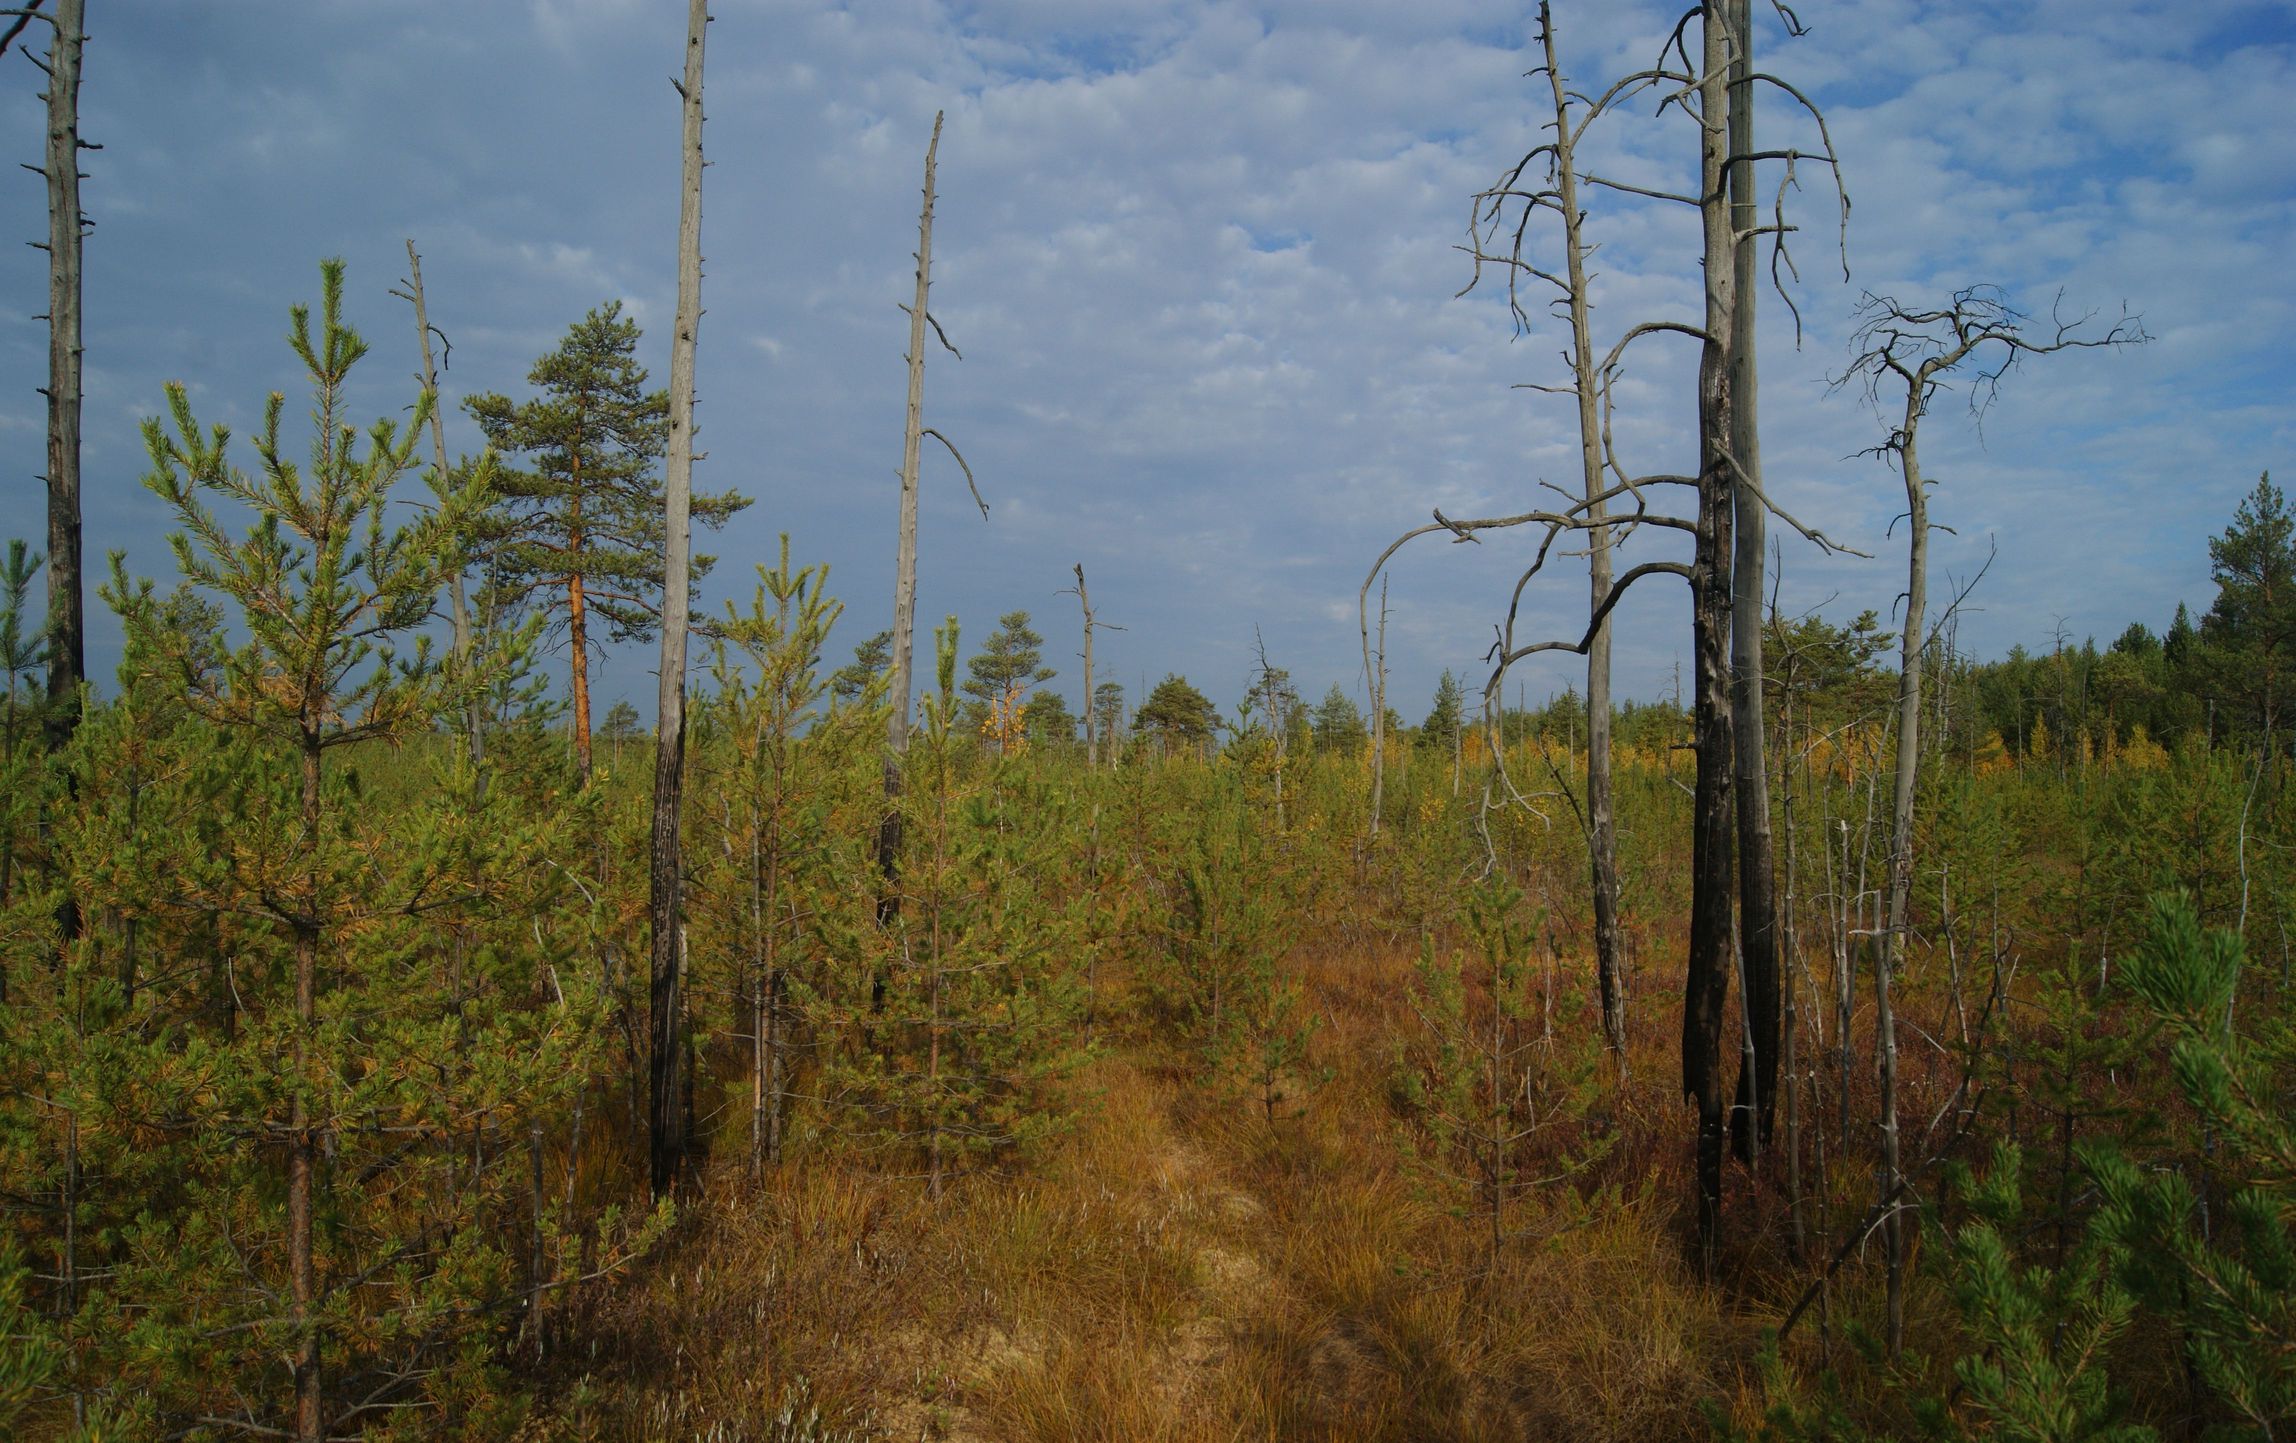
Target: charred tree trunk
{"x": 1757, "y": 878}
{"x": 1707, "y": 978}
{"x": 668, "y": 910}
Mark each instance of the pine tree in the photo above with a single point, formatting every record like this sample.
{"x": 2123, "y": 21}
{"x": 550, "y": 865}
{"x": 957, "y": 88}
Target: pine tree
{"x": 958, "y": 1057}
{"x": 1338, "y": 723}
{"x": 1007, "y": 667}
{"x": 870, "y": 661}
{"x": 2250, "y": 632}
{"x": 768, "y": 760}
{"x": 330, "y": 1241}
{"x": 1108, "y": 715}
{"x": 1448, "y": 714}
{"x": 580, "y": 531}
{"x": 2224, "y": 1273}
{"x": 1177, "y": 716}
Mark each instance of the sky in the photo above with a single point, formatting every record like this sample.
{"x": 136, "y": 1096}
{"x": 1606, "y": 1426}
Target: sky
{"x": 1202, "y": 260}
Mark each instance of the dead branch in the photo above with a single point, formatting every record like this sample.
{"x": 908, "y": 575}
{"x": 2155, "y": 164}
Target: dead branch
{"x": 968, "y": 470}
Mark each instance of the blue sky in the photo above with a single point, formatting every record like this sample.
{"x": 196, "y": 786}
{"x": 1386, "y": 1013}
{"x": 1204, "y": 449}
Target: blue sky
{"x": 1200, "y": 260}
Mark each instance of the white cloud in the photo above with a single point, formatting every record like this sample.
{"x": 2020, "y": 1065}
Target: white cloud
{"x": 1200, "y": 259}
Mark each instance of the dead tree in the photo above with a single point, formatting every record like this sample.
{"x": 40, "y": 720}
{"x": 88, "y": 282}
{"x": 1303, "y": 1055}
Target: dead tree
{"x": 1757, "y": 877}
{"x": 1701, "y": 89}
{"x": 905, "y": 563}
{"x": 458, "y": 593}
{"x": 1091, "y": 707}
{"x": 1915, "y": 352}
{"x": 667, "y": 995}
{"x": 1375, "y": 675}
{"x": 67, "y": 652}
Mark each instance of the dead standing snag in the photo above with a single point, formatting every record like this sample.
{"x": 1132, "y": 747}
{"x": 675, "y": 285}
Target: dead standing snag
{"x": 1914, "y": 352}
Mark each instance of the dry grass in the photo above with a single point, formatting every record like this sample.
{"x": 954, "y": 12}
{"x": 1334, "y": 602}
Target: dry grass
{"x": 1177, "y": 1270}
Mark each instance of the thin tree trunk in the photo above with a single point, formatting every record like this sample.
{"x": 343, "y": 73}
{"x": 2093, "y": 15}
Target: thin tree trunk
{"x": 67, "y": 619}
{"x": 1892, "y": 951}
{"x": 1379, "y": 715}
{"x": 1707, "y": 977}
{"x": 1757, "y": 878}
{"x": 458, "y": 597}
{"x": 905, "y": 565}
{"x": 1091, "y": 730}
{"x": 1789, "y": 963}
{"x": 1601, "y": 816}
{"x": 668, "y": 992}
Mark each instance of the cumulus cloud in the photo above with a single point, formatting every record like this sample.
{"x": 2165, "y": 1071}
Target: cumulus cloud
{"x": 1201, "y": 260}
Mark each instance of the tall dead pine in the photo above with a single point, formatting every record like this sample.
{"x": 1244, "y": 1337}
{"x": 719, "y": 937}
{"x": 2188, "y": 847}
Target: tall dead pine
{"x": 667, "y": 1000}
{"x": 1706, "y": 978}
{"x": 67, "y": 226}
{"x": 1911, "y": 350}
{"x": 905, "y": 562}
{"x": 458, "y": 592}
{"x": 1757, "y": 875}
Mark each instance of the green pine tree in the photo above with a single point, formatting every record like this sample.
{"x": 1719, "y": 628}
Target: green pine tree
{"x": 579, "y": 531}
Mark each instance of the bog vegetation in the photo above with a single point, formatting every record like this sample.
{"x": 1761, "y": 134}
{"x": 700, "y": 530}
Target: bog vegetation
{"x": 1165, "y": 1072}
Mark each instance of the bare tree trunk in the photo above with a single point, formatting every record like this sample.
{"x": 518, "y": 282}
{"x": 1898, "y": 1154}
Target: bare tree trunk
{"x": 1707, "y": 977}
{"x": 1892, "y": 951}
{"x": 668, "y": 909}
{"x": 905, "y": 566}
{"x": 1091, "y": 728}
{"x": 67, "y": 617}
{"x": 474, "y": 741}
{"x": 1601, "y": 815}
{"x": 1378, "y": 681}
{"x": 1757, "y": 878}
{"x": 1789, "y": 963}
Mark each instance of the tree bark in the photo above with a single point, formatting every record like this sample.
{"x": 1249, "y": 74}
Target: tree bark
{"x": 1757, "y": 878}
{"x": 1379, "y": 716}
{"x": 668, "y": 993}
{"x": 1892, "y": 951}
{"x": 1091, "y": 730}
{"x": 1601, "y": 816}
{"x": 1706, "y": 978}
{"x": 905, "y": 564}
{"x": 67, "y": 615}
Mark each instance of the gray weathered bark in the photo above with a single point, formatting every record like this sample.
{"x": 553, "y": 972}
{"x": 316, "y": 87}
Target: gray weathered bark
{"x": 1913, "y": 348}
{"x": 905, "y": 563}
{"x": 667, "y": 998}
{"x": 1601, "y": 816}
{"x": 1757, "y": 877}
{"x": 1091, "y": 734}
{"x": 1378, "y": 680}
{"x": 67, "y": 615}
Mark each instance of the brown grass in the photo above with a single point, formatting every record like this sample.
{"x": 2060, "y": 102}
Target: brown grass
{"x": 1177, "y": 1270}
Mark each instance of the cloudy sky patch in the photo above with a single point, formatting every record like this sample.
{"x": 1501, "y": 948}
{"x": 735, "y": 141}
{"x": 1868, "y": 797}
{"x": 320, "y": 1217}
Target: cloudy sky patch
{"x": 1202, "y": 262}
